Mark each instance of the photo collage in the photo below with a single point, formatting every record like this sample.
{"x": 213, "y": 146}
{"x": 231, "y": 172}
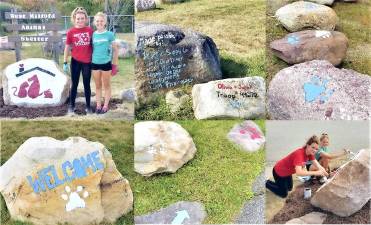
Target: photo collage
{"x": 131, "y": 112}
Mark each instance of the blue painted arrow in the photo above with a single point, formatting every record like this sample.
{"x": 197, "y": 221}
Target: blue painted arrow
{"x": 180, "y": 217}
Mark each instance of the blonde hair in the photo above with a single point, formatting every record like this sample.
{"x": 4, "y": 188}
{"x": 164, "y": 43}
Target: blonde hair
{"x": 323, "y": 136}
{"x": 78, "y": 10}
{"x": 100, "y": 14}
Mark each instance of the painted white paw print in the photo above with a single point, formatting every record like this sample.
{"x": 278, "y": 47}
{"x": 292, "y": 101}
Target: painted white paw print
{"x": 74, "y": 199}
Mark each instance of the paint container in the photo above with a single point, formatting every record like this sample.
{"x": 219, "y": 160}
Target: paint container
{"x": 307, "y": 193}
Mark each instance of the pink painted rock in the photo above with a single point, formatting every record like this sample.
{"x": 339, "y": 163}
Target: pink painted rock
{"x": 247, "y": 135}
{"x": 309, "y": 45}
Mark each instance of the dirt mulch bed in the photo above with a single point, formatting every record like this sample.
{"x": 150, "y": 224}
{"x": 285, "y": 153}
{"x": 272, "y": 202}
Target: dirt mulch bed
{"x": 11, "y": 111}
{"x": 296, "y": 206}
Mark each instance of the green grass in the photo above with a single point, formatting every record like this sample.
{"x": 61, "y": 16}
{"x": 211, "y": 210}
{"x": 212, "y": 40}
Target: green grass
{"x": 354, "y": 22}
{"x": 237, "y": 28}
{"x": 125, "y": 78}
{"x": 219, "y": 176}
{"x": 117, "y": 136}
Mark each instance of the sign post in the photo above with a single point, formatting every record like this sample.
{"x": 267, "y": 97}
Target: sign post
{"x": 45, "y": 27}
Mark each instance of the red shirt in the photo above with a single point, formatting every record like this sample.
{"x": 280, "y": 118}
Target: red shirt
{"x": 286, "y": 166}
{"x": 80, "y": 41}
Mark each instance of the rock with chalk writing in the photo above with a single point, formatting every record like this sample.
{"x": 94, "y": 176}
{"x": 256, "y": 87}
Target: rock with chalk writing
{"x": 316, "y": 90}
{"x": 308, "y": 45}
{"x": 144, "y": 5}
{"x": 168, "y": 57}
{"x": 161, "y": 146}
{"x": 306, "y": 15}
{"x": 178, "y": 213}
{"x": 35, "y": 82}
{"x": 349, "y": 189}
{"x": 236, "y": 97}
{"x": 247, "y": 135}
{"x": 74, "y": 181}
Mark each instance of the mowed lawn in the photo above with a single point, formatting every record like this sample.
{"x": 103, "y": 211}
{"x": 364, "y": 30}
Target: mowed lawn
{"x": 117, "y": 136}
{"x": 354, "y": 22}
{"x": 237, "y": 28}
{"x": 220, "y": 175}
{"x": 125, "y": 78}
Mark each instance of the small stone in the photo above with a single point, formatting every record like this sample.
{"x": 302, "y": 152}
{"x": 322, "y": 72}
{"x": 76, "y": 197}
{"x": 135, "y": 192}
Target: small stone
{"x": 176, "y": 100}
{"x": 253, "y": 211}
{"x": 125, "y": 49}
{"x": 161, "y": 146}
{"x": 247, "y": 135}
{"x": 310, "y": 218}
{"x": 144, "y": 5}
{"x": 129, "y": 95}
{"x": 179, "y": 213}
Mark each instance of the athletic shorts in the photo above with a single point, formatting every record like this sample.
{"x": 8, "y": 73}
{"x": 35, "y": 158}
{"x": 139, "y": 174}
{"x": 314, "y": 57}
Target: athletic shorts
{"x": 103, "y": 67}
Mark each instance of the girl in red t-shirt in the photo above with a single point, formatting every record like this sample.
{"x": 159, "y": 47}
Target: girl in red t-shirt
{"x": 79, "y": 42}
{"x": 294, "y": 163}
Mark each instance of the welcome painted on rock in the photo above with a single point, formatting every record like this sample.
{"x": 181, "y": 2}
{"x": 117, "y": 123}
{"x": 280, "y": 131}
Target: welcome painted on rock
{"x": 47, "y": 178}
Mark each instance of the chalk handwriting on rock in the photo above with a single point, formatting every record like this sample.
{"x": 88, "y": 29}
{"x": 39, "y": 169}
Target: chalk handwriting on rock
{"x": 48, "y": 178}
{"x": 317, "y": 88}
{"x": 74, "y": 199}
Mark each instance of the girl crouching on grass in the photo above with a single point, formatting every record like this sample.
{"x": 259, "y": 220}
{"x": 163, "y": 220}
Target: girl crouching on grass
{"x": 104, "y": 62}
{"x": 79, "y": 42}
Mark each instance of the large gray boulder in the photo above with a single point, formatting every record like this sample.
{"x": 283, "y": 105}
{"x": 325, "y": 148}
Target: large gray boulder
{"x": 349, "y": 189}
{"x": 306, "y": 15}
{"x": 161, "y": 146}
{"x": 168, "y": 57}
{"x": 35, "y": 82}
{"x": 178, "y": 213}
{"x": 235, "y": 97}
{"x": 74, "y": 181}
{"x": 316, "y": 90}
{"x": 308, "y": 45}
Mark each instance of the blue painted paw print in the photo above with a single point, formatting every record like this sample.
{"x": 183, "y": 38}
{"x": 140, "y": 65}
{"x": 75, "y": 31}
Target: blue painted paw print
{"x": 293, "y": 39}
{"x": 317, "y": 88}
{"x": 235, "y": 104}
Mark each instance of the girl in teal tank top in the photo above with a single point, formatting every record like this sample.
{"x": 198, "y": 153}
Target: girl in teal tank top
{"x": 104, "y": 61}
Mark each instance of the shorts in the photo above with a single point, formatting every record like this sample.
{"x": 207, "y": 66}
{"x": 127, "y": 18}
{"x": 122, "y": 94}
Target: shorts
{"x": 103, "y": 67}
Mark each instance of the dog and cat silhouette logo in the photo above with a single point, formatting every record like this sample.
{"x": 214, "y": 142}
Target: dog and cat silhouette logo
{"x": 31, "y": 86}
